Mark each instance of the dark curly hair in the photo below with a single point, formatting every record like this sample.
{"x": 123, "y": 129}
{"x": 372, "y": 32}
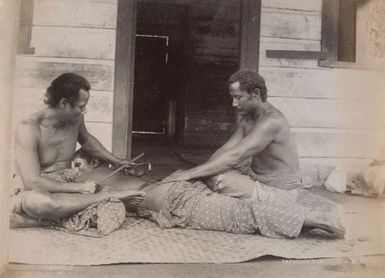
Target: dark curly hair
{"x": 250, "y": 81}
{"x": 81, "y": 153}
{"x": 66, "y": 86}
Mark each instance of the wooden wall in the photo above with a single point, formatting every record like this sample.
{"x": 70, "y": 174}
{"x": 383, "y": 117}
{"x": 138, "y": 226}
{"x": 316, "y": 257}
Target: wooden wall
{"x": 213, "y": 37}
{"x": 336, "y": 114}
{"x": 80, "y": 36}
{"x": 8, "y": 30}
{"x": 74, "y": 36}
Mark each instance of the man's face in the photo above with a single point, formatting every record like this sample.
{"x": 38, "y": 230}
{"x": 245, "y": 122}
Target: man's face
{"x": 76, "y": 111}
{"x": 242, "y": 100}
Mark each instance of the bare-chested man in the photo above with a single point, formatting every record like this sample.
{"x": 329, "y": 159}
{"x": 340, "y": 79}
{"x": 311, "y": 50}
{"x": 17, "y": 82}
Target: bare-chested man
{"x": 45, "y": 144}
{"x": 264, "y": 137}
{"x": 263, "y": 134}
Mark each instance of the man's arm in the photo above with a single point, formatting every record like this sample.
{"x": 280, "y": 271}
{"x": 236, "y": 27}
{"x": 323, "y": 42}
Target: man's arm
{"x": 28, "y": 164}
{"x": 234, "y": 140}
{"x": 257, "y": 140}
{"x": 93, "y": 146}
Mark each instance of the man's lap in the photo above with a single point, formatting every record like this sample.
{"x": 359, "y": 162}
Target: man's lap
{"x": 105, "y": 216}
{"x": 19, "y": 210}
{"x": 19, "y": 193}
{"x": 235, "y": 184}
{"x": 20, "y": 200}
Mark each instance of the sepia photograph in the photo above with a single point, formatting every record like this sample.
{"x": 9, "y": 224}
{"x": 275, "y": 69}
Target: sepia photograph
{"x": 192, "y": 138}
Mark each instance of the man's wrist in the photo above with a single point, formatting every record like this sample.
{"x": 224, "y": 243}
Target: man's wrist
{"x": 118, "y": 161}
{"x": 114, "y": 160}
{"x": 73, "y": 187}
{"x": 190, "y": 174}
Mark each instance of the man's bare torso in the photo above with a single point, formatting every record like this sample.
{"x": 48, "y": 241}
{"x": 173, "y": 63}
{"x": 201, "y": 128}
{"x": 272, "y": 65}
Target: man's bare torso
{"x": 55, "y": 147}
{"x": 280, "y": 156}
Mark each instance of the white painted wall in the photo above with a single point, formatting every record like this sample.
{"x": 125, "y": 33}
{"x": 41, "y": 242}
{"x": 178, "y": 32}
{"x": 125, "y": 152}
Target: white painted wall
{"x": 336, "y": 114}
{"x": 74, "y": 36}
{"x": 8, "y": 24}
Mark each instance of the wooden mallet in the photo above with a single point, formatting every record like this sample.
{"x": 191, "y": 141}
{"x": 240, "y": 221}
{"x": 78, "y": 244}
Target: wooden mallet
{"x": 118, "y": 169}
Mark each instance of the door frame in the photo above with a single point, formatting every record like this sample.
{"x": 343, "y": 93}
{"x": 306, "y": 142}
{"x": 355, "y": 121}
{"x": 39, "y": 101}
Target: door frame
{"x": 124, "y": 78}
{"x": 125, "y": 64}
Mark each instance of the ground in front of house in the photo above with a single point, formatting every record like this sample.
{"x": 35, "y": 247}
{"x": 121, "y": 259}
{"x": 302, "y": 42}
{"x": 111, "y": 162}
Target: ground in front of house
{"x": 168, "y": 158}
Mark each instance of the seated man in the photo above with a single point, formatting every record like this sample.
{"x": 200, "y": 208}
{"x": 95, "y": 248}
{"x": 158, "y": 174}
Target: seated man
{"x": 262, "y": 136}
{"x": 44, "y": 147}
{"x": 194, "y": 206}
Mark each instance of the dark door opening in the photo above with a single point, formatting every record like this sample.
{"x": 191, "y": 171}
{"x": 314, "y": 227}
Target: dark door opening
{"x": 151, "y": 97}
{"x": 184, "y": 53}
{"x": 161, "y": 31}
{"x": 208, "y": 40}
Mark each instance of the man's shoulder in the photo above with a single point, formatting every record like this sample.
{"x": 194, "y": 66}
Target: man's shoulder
{"x": 28, "y": 123}
{"x": 275, "y": 117}
{"x": 27, "y": 127}
{"x": 272, "y": 122}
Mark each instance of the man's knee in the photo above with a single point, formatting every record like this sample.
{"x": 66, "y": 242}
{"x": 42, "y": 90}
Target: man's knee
{"x": 217, "y": 182}
{"x": 39, "y": 204}
{"x": 213, "y": 182}
{"x": 233, "y": 184}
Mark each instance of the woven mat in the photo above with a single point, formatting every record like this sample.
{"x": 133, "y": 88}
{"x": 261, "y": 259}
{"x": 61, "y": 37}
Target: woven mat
{"x": 141, "y": 241}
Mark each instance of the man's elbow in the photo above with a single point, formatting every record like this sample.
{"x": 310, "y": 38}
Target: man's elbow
{"x": 233, "y": 159}
{"x": 32, "y": 183}
{"x": 85, "y": 145}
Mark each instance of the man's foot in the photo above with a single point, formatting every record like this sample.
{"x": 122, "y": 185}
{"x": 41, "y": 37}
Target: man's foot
{"x": 131, "y": 199}
{"x": 20, "y": 221}
{"x": 326, "y": 222}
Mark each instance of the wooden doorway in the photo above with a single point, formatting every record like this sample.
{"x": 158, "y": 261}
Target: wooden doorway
{"x": 151, "y": 96}
{"x": 182, "y": 69}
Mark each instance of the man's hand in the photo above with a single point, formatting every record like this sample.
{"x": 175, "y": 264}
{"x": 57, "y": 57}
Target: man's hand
{"x": 88, "y": 187}
{"x": 128, "y": 163}
{"x": 119, "y": 162}
{"x": 179, "y": 175}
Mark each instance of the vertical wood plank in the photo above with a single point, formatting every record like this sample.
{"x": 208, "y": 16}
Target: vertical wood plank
{"x": 124, "y": 78}
{"x": 329, "y": 31}
{"x": 25, "y": 27}
{"x": 250, "y": 33}
{"x": 347, "y": 31}
{"x": 362, "y": 35}
{"x": 9, "y": 11}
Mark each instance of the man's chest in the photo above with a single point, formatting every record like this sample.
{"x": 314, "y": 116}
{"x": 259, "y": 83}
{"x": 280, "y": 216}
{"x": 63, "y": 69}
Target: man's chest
{"x": 57, "y": 138}
{"x": 55, "y": 145}
{"x": 248, "y": 126}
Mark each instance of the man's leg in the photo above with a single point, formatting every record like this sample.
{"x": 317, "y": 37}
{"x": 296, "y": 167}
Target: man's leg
{"x": 276, "y": 217}
{"x": 327, "y": 223}
{"x": 325, "y": 217}
{"x": 21, "y": 221}
{"x": 44, "y": 205}
{"x": 271, "y": 218}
